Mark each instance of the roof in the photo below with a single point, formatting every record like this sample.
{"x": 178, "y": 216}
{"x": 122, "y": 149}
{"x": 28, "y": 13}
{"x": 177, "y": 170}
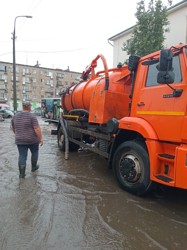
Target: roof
{"x": 41, "y": 68}
{"x": 129, "y": 30}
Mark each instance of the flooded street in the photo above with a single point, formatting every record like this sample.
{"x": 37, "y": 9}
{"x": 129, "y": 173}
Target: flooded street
{"x": 77, "y": 204}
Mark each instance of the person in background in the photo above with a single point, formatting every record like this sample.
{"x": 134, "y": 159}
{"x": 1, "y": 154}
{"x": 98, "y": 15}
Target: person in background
{"x": 27, "y": 136}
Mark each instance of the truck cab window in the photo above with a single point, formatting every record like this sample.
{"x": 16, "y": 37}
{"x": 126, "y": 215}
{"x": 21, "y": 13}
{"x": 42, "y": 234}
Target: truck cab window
{"x": 152, "y": 73}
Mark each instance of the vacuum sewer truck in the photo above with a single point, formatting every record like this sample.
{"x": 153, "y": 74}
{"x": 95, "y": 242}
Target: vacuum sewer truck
{"x": 133, "y": 115}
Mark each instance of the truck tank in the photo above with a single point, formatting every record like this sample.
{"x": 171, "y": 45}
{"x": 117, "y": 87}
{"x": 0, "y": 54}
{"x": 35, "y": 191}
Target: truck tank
{"x": 103, "y": 95}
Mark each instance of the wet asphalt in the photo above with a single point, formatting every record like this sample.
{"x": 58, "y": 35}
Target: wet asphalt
{"x": 77, "y": 204}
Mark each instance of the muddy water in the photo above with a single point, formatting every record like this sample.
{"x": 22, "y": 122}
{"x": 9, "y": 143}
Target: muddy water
{"x": 77, "y": 204}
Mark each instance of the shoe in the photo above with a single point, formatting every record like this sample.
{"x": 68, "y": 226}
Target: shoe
{"x": 34, "y": 166}
{"x": 22, "y": 171}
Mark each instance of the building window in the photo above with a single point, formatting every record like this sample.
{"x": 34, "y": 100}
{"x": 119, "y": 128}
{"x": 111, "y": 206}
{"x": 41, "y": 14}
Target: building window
{"x": 2, "y": 86}
{"x": 25, "y": 79}
{"x": 49, "y": 82}
{"x": 25, "y": 71}
{"x": 26, "y": 97}
{"x": 58, "y": 83}
{"x": 3, "y": 68}
{"x": 3, "y": 77}
{"x": 60, "y": 75}
{"x": 128, "y": 42}
{"x": 50, "y": 74}
{"x": 17, "y": 78}
{"x": 1, "y": 95}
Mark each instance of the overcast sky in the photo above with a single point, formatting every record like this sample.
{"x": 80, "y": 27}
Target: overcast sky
{"x": 63, "y": 33}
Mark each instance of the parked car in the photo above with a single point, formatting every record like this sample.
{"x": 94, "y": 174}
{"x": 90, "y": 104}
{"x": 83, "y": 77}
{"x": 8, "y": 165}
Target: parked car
{"x": 6, "y": 113}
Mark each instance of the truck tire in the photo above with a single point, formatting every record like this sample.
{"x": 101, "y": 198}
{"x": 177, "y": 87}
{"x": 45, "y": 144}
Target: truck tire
{"x": 131, "y": 168}
{"x": 61, "y": 142}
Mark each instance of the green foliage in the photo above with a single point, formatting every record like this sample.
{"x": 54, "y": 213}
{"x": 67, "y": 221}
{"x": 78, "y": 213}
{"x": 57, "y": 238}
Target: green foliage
{"x": 148, "y": 34}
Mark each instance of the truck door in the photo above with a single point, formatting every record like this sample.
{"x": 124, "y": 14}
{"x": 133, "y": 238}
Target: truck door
{"x": 156, "y": 103}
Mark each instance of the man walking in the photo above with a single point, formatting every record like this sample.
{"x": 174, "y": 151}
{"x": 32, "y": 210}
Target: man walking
{"x": 27, "y": 136}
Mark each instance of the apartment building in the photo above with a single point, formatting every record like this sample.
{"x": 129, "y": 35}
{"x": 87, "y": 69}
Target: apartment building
{"x": 177, "y": 17}
{"x": 33, "y": 83}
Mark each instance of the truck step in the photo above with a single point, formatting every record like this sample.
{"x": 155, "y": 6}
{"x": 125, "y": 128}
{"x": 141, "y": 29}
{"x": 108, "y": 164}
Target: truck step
{"x": 167, "y": 156}
{"x": 164, "y": 178}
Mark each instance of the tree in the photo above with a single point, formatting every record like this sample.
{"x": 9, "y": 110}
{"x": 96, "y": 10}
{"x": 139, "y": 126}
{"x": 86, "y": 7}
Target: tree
{"x": 148, "y": 34}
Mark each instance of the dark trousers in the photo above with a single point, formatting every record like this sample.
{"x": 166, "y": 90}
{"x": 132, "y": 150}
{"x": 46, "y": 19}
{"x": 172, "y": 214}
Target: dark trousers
{"x": 23, "y": 151}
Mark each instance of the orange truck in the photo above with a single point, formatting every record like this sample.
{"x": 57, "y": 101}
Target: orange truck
{"x": 135, "y": 116}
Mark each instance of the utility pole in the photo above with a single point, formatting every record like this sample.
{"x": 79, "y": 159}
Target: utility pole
{"x": 14, "y": 64}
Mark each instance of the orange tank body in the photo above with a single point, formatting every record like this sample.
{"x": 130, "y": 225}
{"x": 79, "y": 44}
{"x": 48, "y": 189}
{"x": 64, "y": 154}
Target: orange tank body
{"x": 102, "y": 103}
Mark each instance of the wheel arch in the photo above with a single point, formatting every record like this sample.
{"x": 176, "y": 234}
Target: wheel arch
{"x": 139, "y": 126}
{"x": 133, "y": 128}
{"x": 123, "y": 136}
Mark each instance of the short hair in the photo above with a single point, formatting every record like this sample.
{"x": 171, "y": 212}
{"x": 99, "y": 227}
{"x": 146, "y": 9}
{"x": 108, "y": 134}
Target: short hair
{"x": 26, "y": 104}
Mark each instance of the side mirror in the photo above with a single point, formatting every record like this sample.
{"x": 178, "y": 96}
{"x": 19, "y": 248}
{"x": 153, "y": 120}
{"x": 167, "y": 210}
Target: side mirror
{"x": 165, "y": 67}
{"x": 165, "y": 77}
{"x": 133, "y": 62}
{"x": 166, "y": 60}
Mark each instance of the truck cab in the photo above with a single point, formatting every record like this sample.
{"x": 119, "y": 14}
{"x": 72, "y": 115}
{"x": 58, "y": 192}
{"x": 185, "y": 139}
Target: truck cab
{"x": 158, "y": 114}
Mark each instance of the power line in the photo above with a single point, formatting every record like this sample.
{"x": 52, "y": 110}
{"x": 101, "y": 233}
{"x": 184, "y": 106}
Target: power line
{"x": 30, "y": 11}
{"x": 46, "y": 52}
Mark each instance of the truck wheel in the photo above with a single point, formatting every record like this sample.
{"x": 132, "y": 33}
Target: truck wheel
{"x": 61, "y": 140}
{"x": 131, "y": 168}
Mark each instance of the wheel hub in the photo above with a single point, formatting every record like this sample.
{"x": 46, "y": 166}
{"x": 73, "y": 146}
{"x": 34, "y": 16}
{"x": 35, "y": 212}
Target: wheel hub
{"x": 130, "y": 168}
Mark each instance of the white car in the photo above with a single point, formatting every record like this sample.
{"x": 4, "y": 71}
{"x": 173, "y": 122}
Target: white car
{"x": 6, "y": 113}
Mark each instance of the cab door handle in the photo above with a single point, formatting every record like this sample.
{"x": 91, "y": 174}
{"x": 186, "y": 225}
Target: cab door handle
{"x": 140, "y": 104}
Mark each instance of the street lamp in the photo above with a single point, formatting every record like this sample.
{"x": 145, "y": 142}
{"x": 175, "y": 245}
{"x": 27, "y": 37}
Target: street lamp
{"x": 14, "y": 63}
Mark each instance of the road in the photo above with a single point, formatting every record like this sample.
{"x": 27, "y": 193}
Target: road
{"x": 76, "y": 204}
